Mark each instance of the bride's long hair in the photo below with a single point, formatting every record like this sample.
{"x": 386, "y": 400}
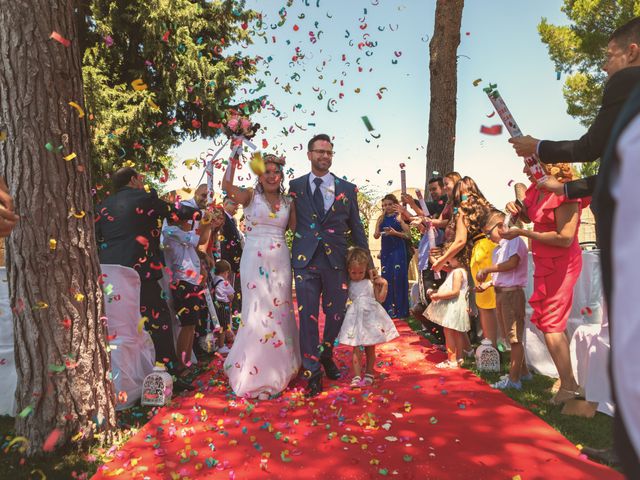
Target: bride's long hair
{"x": 279, "y": 162}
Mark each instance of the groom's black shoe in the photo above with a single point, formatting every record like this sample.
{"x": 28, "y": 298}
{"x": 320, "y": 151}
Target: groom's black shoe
{"x": 314, "y": 387}
{"x": 181, "y": 385}
{"x": 330, "y": 368}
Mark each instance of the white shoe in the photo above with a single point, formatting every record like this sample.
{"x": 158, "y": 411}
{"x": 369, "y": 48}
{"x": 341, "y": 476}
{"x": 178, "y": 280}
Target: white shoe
{"x": 224, "y": 350}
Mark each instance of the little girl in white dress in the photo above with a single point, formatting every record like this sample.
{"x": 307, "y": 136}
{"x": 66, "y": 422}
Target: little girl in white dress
{"x": 449, "y": 308}
{"x": 366, "y": 323}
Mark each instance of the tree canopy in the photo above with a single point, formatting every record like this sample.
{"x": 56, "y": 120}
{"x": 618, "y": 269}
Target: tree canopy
{"x": 578, "y": 50}
{"x": 157, "y": 72}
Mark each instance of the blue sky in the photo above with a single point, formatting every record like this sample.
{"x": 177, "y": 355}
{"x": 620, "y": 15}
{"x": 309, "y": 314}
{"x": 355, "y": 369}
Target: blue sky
{"x": 500, "y": 44}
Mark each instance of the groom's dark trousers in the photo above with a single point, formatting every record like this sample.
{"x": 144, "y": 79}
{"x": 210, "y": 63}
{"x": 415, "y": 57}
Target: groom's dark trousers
{"x": 318, "y": 279}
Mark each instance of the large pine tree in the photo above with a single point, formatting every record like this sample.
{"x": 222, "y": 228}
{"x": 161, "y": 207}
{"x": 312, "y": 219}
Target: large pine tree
{"x": 157, "y": 72}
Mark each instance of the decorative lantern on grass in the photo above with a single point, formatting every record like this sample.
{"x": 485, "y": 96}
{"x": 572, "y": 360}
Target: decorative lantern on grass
{"x": 157, "y": 387}
{"x": 487, "y": 357}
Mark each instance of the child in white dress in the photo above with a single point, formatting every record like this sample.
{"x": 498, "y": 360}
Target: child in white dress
{"x": 366, "y": 323}
{"x": 449, "y": 308}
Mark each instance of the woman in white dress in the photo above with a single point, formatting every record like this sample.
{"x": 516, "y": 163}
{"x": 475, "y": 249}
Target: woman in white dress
{"x": 265, "y": 356}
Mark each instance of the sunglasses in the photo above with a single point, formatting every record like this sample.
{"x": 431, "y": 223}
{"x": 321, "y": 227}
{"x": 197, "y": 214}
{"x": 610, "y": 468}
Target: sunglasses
{"x": 488, "y": 234}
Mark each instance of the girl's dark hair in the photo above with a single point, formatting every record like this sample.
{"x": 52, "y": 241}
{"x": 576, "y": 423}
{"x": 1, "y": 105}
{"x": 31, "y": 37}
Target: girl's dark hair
{"x": 359, "y": 256}
{"x": 492, "y": 215}
{"x": 455, "y": 178}
{"x": 463, "y": 256}
{"x": 468, "y": 199}
{"x": 391, "y": 197}
{"x": 465, "y": 186}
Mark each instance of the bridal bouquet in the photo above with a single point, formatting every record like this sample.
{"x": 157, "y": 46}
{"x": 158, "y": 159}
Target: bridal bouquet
{"x": 240, "y": 130}
{"x": 239, "y": 126}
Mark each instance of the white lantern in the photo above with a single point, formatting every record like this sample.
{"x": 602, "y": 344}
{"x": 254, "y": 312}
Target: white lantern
{"x": 157, "y": 387}
{"x": 487, "y": 357}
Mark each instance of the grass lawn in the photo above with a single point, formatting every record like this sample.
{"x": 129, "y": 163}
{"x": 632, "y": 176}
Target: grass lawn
{"x": 67, "y": 465}
{"x": 593, "y": 432}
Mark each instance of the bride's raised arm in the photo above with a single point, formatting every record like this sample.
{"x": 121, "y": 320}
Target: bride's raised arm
{"x": 237, "y": 194}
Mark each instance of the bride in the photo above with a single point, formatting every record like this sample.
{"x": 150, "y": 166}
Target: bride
{"x": 266, "y": 354}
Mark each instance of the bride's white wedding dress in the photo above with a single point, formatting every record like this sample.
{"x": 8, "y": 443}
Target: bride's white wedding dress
{"x": 266, "y": 353}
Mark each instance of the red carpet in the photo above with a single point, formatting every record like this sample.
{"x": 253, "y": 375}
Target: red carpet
{"x": 417, "y": 422}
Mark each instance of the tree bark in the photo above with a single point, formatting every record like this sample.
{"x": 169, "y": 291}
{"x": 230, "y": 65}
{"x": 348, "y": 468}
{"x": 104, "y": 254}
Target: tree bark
{"x": 60, "y": 334}
{"x": 443, "y": 68}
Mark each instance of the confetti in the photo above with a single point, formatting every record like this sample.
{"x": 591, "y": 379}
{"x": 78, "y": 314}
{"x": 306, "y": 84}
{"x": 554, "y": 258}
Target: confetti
{"x": 138, "y": 85}
{"x": 257, "y": 163}
{"x": 367, "y": 123}
{"x": 52, "y": 439}
{"x": 70, "y": 157}
{"x": 16, "y": 440}
{"x": 26, "y": 411}
{"x": 60, "y": 39}
{"x": 141, "y": 323}
{"x": 493, "y": 130}
{"x": 476, "y": 82}
{"x": 78, "y": 108}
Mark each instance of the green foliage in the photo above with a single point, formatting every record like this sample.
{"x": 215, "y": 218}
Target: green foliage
{"x": 416, "y": 236}
{"x": 181, "y": 51}
{"x": 578, "y": 49}
{"x": 368, "y": 206}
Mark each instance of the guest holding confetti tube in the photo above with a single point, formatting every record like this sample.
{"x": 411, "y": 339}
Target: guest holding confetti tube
{"x": 557, "y": 259}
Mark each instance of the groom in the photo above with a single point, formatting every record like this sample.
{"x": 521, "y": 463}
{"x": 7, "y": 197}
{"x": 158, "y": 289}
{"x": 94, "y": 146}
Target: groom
{"x": 326, "y": 212}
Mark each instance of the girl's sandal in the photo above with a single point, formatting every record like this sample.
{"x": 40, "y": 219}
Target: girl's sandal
{"x": 368, "y": 379}
{"x": 355, "y": 381}
{"x": 447, "y": 364}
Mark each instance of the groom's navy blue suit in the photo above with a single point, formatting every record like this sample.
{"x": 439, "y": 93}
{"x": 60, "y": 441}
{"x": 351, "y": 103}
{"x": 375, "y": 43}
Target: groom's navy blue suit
{"x": 318, "y": 257}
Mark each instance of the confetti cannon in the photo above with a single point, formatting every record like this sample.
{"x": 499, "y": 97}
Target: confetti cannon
{"x": 536, "y": 168}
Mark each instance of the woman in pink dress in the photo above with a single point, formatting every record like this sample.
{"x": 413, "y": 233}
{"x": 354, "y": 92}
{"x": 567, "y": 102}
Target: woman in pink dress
{"x": 557, "y": 261}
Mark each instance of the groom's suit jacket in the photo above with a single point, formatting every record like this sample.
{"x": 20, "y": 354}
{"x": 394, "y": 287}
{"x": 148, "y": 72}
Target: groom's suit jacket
{"x": 342, "y": 219}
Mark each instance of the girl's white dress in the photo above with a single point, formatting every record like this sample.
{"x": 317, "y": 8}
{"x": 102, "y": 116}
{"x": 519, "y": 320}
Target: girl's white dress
{"x": 265, "y": 356}
{"x": 452, "y": 313}
{"x": 365, "y": 322}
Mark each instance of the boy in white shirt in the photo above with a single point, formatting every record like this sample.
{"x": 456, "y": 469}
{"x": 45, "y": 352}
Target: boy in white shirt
{"x": 224, "y": 294}
{"x": 509, "y": 273}
{"x": 180, "y": 250}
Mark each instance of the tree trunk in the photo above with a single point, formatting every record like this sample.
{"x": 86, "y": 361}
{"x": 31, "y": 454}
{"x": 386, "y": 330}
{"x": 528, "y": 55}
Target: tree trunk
{"x": 59, "y": 329}
{"x": 443, "y": 69}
